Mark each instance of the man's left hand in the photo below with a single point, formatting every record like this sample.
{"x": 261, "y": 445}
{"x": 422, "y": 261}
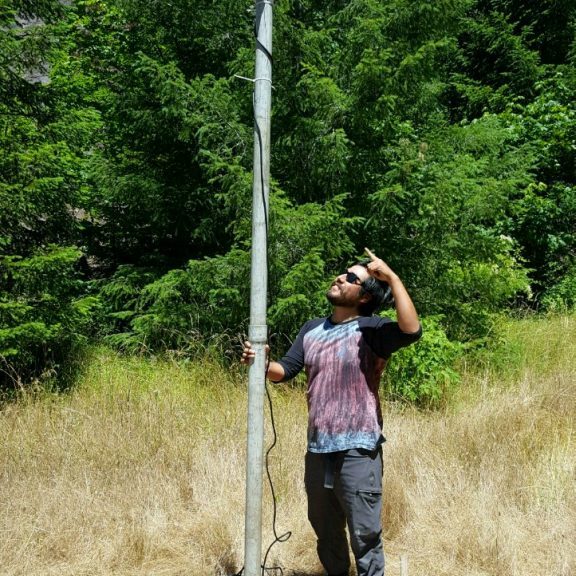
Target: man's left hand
{"x": 378, "y": 268}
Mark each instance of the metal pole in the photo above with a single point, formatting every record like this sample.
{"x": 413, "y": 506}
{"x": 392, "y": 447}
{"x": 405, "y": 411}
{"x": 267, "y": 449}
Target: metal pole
{"x": 403, "y": 565}
{"x": 257, "y": 332}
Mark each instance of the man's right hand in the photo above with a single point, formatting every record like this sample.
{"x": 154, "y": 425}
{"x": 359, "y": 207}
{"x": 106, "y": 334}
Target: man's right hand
{"x": 248, "y": 353}
{"x": 274, "y": 372}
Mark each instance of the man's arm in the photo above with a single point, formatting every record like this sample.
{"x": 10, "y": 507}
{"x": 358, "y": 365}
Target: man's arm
{"x": 407, "y": 317}
{"x": 275, "y": 370}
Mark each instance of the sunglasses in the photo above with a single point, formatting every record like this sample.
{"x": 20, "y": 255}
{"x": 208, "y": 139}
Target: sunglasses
{"x": 352, "y": 278}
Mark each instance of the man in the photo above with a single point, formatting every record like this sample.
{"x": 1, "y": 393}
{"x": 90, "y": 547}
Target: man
{"x": 344, "y": 356}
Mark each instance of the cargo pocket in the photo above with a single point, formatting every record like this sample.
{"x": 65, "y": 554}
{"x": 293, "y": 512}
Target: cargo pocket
{"x": 369, "y": 501}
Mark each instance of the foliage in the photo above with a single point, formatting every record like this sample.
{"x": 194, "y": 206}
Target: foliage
{"x": 208, "y": 297}
{"x": 525, "y": 343}
{"x": 496, "y": 65}
{"x": 545, "y": 216}
{"x": 173, "y": 311}
{"x": 444, "y": 204}
{"x": 441, "y": 134}
{"x": 119, "y": 296}
{"x": 425, "y": 373}
{"x": 45, "y": 128}
{"x": 352, "y": 77}
{"x": 43, "y": 316}
{"x": 176, "y": 145}
{"x": 308, "y": 244}
{"x": 562, "y": 296}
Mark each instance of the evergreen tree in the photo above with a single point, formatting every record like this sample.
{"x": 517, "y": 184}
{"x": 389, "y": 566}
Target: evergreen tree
{"x": 45, "y": 129}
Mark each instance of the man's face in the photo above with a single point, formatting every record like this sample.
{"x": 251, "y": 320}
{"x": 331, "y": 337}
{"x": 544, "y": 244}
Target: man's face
{"x": 346, "y": 289}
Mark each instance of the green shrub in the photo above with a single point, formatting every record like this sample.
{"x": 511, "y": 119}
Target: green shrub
{"x": 441, "y": 217}
{"x": 207, "y": 303}
{"x": 44, "y": 314}
{"x": 562, "y": 296}
{"x": 424, "y": 372}
{"x": 184, "y": 310}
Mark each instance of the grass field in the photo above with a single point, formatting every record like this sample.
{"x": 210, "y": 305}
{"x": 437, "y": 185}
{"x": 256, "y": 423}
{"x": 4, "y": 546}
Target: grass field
{"x": 139, "y": 470}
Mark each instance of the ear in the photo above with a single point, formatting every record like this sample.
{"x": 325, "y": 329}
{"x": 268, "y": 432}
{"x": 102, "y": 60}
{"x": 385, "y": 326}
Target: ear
{"x": 365, "y": 298}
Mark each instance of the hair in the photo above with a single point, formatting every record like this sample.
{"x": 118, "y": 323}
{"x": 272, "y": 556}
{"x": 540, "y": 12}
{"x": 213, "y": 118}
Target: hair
{"x": 379, "y": 291}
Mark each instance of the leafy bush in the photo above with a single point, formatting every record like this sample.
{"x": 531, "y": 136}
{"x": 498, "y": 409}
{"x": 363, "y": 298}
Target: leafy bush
{"x": 441, "y": 218}
{"x": 424, "y": 373}
{"x": 544, "y": 215}
{"x": 562, "y": 296}
{"x": 44, "y": 316}
{"x": 207, "y": 302}
{"x": 119, "y": 296}
{"x": 182, "y": 310}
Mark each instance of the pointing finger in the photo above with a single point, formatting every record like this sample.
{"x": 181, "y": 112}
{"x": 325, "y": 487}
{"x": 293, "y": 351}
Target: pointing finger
{"x": 370, "y": 254}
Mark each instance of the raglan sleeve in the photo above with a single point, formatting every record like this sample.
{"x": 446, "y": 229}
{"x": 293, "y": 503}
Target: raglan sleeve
{"x": 293, "y": 361}
{"x": 385, "y": 337}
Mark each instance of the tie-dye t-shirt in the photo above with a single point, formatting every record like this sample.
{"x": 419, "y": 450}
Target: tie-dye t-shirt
{"x": 343, "y": 363}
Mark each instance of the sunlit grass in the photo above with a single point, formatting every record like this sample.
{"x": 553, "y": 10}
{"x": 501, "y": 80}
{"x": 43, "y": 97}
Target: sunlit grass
{"x": 140, "y": 470}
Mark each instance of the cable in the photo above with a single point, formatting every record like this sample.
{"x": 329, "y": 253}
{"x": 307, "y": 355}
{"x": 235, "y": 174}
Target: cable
{"x": 258, "y": 43}
{"x": 283, "y": 537}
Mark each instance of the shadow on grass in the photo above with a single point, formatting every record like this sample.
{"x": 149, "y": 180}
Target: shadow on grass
{"x": 58, "y": 374}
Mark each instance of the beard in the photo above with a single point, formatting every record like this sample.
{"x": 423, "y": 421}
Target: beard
{"x": 337, "y": 298}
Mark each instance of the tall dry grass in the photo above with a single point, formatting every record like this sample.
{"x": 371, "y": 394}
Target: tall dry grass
{"x": 140, "y": 471}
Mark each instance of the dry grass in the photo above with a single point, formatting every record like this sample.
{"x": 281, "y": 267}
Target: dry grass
{"x": 140, "y": 471}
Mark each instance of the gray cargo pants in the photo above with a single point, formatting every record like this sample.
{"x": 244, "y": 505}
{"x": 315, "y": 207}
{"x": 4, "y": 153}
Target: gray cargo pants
{"x": 346, "y": 488}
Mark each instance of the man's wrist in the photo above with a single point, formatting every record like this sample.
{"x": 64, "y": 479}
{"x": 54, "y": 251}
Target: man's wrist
{"x": 393, "y": 280}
